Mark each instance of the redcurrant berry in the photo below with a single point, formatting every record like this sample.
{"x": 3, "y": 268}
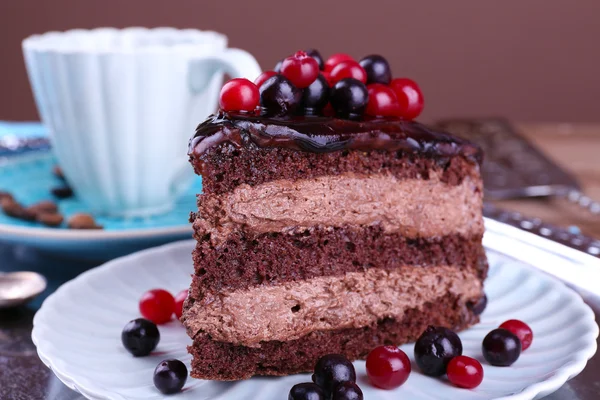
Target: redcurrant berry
{"x": 382, "y": 101}
{"x": 300, "y": 69}
{"x": 157, "y": 305}
{"x": 388, "y": 367}
{"x": 239, "y": 94}
{"x": 263, "y": 77}
{"x": 465, "y": 372}
{"x": 335, "y": 60}
{"x": 410, "y": 98}
{"x": 348, "y": 69}
{"x": 521, "y": 330}
{"x": 179, "y": 300}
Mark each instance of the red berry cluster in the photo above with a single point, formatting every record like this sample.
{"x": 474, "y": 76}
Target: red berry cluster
{"x": 158, "y": 305}
{"x": 438, "y": 351}
{"x": 304, "y": 84}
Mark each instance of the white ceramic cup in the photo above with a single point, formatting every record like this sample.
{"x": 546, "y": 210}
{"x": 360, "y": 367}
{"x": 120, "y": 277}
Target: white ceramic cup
{"x": 121, "y": 105}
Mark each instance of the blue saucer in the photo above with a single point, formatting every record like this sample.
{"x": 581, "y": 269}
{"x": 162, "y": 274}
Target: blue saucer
{"x": 29, "y": 178}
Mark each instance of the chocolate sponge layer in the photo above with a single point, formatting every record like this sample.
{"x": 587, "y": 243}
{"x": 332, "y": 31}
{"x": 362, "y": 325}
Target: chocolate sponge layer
{"x": 225, "y": 167}
{"x": 247, "y": 259}
{"x": 225, "y": 361}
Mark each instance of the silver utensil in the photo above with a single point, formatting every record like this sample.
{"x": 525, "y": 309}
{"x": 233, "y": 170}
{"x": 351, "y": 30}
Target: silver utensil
{"x": 17, "y": 288}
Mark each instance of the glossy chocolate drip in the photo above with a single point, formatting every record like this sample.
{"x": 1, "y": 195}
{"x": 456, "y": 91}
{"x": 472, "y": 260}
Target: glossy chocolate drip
{"x": 325, "y": 134}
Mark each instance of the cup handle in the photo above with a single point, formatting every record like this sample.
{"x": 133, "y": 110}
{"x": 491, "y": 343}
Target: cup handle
{"x": 235, "y": 62}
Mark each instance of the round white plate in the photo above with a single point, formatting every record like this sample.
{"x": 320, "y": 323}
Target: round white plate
{"x": 77, "y": 334}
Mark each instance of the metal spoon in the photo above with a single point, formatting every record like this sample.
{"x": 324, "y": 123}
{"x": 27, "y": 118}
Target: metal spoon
{"x": 18, "y": 288}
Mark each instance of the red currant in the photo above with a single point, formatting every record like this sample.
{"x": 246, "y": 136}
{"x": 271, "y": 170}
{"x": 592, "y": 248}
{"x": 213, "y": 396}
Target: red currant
{"x": 263, "y": 77}
{"x": 335, "y": 60}
{"x": 239, "y": 94}
{"x": 300, "y": 69}
{"x": 179, "y": 299}
{"x": 382, "y": 101}
{"x": 157, "y": 305}
{"x": 521, "y": 330}
{"x": 465, "y": 372}
{"x": 388, "y": 367}
{"x": 348, "y": 69}
{"x": 410, "y": 98}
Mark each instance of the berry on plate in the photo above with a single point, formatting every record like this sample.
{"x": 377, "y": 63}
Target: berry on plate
{"x": 170, "y": 376}
{"x": 501, "y": 347}
{"x": 300, "y": 69}
{"x": 331, "y": 370}
{"x": 347, "y": 391}
{"x": 140, "y": 337}
{"x": 179, "y": 300}
{"x": 306, "y": 391}
{"x": 435, "y": 348}
{"x": 410, "y": 98}
{"x": 157, "y": 305}
{"x": 239, "y": 94}
{"x": 388, "y": 367}
{"x": 521, "y": 330}
{"x": 465, "y": 372}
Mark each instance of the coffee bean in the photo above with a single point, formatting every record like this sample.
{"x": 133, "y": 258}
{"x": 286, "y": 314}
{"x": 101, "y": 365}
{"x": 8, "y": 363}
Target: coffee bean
{"x": 82, "y": 221}
{"x": 50, "y": 219}
{"x": 44, "y": 207}
{"x": 62, "y": 192}
{"x": 13, "y": 209}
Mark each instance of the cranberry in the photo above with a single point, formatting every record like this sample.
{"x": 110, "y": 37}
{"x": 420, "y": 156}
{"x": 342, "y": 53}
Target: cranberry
{"x": 170, "y": 376}
{"x": 335, "y": 60}
{"x": 317, "y": 56}
{"x": 157, "y": 305}
{"x": 140, "y": 337}
{"x": 521, "y": 330}
{"x": 348, "y": 69}
{"x": 278, "y": 96}
{"x": 377, "y": 69}
{"x": 465, "y": 372}
{"x": 388, "y": 367}
{"x": 239, "y": 94}
{"x": 501, "y": 347}
{"x": 331, "y": 370}
{"x": 410, "y": 98}
{"x": 349, "y": 98}
{"x": 382, "y": 101}
{"x": 315, "y": 97}
{"x": 300, "y": 69}
{"x": 435, "y": 348}
{"x": 263, "y": 77}
{"x": 179, "y": 300}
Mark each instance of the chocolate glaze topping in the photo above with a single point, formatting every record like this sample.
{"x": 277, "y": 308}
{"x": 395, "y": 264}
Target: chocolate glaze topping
{"x": 326, "y": 134}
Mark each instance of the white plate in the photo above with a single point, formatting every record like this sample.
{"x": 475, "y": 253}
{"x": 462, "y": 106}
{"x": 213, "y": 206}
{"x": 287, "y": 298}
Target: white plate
{"x": 77, "y": 334}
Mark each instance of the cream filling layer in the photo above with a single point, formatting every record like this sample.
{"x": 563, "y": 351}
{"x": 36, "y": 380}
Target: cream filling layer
{"x": 412, "y": 207}
{"x": 293, "y": 309}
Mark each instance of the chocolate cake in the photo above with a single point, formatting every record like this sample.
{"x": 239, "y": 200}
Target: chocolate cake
{"x": 321, "y": 235}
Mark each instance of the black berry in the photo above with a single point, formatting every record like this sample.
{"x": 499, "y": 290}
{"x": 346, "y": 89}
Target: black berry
{"x": 170, "y": 376}
{"x": 501, "y": 347}
{"x": 315, "y": 97}
{"x": 479, "y": 306}
{"x": 349, "y": 98}
{"x": 331, "y": 370}
{"x": 377, "y": 69}
{"x": 347, "y": 391}
{"x": 306, "y": 391}
{"x": 317, "y": 56}
{"x": 278, "y": 96}
{"x": 140, "y": 337}
{"x": 435, "y": 348}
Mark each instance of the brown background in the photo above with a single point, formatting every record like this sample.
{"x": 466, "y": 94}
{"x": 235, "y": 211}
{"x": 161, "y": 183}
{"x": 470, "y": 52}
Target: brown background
{"x": 533, "y": 60}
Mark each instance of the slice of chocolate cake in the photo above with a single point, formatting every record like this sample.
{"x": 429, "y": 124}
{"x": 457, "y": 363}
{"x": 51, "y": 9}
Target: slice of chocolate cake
{"x": 320, "y": 235}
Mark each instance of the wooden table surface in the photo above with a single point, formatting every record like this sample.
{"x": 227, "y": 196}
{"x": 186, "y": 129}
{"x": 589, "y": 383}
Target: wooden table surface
{"x": 576, "y": 148}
